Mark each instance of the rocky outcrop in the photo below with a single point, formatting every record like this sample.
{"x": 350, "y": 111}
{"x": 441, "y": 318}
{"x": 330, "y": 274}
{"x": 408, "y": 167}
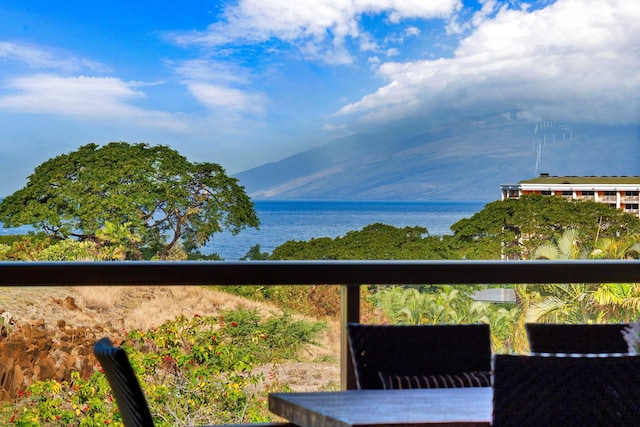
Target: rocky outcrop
{"x": 37, "y": 350}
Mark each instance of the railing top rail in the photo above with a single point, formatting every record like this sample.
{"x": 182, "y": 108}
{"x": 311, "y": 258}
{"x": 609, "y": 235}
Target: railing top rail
{"x": 316, "y": 272}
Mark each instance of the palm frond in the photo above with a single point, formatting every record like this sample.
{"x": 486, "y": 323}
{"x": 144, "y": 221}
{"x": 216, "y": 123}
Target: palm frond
{"x": 549, "y": 307}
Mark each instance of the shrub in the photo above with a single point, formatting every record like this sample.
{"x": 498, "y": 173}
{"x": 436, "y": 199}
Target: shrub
{"x": 194, "y": 370}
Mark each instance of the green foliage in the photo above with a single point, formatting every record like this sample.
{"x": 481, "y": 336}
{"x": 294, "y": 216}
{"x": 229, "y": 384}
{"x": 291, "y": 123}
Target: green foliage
{"x": 626, "y": 247}
{"x": 579, "y": 302}
{"x": 80, "y": 402}
{"x": 567, "y": 246}
{"x": 10, "y": 239}
{"x": 124, "y": 195}
{"x": 119, "y": 241}
{"x": 516, "y": 227}
{"x": 45, "y": 248}
{"x": 200, "y": 257}
{"x": 375, "y": 241}
{"x": 448, "y": 305}
{"x": 23, "y": 247}
{"x": 67, "y": 249}
{"x": 255, "y": 254}
{"x": 194, "y": 370}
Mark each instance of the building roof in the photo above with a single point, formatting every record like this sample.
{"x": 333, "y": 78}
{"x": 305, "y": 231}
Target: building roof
{"x": 596, "y": 180}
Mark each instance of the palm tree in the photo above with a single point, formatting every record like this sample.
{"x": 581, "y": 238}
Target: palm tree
{"x": 622, "y": 248}
{"x": 567, "y": 246}
{"x": 583, "y": 303}
{"x": 558, "y": 302}
{"x": 617, "y": 301}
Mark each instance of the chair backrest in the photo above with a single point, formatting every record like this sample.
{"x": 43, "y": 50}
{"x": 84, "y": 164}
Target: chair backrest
{"x": 124, "y": 384}
{"x": 576, "y": 338}
{"x": 566, "y": 391}
{"x": 411, "y": 350}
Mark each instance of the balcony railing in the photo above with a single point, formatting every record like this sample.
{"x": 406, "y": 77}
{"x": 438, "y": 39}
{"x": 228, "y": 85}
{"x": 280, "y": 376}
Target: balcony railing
{"x": 349, "y": 274}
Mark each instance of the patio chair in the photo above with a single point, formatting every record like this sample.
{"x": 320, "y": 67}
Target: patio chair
{"x": 127, "y": 391}
{"x": 576, "y": 338}
{"x": 420, "y": 356}
{"x": 568, "y": 391}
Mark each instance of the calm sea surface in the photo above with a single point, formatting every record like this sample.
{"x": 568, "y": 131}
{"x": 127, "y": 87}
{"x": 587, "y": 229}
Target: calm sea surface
{"x": 281, "y": 221}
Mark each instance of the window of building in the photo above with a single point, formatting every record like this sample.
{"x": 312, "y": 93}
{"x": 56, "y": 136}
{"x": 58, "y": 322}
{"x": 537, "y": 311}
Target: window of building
{"x": 588, "y": 193}
{"x": 567, "y": 193}
{"x": 609, "y": 193}
{"x": 545, "y": 193}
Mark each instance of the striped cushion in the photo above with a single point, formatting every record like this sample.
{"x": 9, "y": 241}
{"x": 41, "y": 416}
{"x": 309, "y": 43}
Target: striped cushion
{"x": 544, "y": 354}
{"x": 465, "y": 379}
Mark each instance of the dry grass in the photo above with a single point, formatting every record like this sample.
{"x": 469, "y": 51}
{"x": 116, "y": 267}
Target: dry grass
{"x": 143, "y": 307}
{"x": 102, "y": 298}
{"x": 146, "y": 307}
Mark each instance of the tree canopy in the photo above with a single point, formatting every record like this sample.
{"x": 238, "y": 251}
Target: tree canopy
{"x": 145, "y": 196}
{"x": 516, "y": 227}
{"x": 375, "y": 241}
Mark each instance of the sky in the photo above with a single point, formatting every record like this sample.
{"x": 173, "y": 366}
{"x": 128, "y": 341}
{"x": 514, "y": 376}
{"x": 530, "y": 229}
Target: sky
{"x": 246, "y": 82}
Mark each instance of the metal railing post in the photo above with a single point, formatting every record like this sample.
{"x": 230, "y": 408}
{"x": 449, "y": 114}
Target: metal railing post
{"x": 349, "y": 312}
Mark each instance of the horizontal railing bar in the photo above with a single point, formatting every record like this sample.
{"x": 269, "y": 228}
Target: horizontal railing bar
{"x": 316, "y": 272}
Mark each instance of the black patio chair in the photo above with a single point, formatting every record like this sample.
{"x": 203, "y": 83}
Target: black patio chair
{"x": 568, "y": 391}
{"x": 420, "y": 356}
{"x": 127, "y": 391}
{"x": 576, "y": 338}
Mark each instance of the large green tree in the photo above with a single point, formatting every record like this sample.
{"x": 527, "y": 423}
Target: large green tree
{"x": 157, "y": 193}
{"x": 516, "y": 227}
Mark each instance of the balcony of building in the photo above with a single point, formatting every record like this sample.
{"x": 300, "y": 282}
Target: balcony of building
{"x": 351, "y": 275}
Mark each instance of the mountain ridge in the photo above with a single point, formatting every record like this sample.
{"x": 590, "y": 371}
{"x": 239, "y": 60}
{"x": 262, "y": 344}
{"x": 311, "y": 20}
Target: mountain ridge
{"x": 459, "y": 160}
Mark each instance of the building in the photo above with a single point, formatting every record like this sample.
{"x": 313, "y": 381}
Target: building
{"x": 620, "y": 192}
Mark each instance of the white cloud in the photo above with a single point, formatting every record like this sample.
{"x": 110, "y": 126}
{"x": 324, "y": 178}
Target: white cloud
{"x": 572, "y": 60}
{"x": 394, "y": 51}
{"x": 318, "y": 27}
{"x": 219, "y": 87}
{"x": 205, "y": 70}
{"x": 368, "y": 43}
{"x": 38, "y": 58}
{"x": 95, "y": 98}
{"x": 412, "y": 32}
{"x": 332, "y": 128}
{"x": 217, "y": 97}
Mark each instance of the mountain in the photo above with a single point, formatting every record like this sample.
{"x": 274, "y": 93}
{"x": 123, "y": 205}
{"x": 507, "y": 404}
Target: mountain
{"x": 457, "y": 160}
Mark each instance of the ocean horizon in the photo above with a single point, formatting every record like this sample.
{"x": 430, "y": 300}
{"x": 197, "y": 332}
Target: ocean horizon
{"x": 303, "y": 220}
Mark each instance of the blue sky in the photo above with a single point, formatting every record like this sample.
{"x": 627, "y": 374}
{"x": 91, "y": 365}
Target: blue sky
{"x": 246, "y": 82}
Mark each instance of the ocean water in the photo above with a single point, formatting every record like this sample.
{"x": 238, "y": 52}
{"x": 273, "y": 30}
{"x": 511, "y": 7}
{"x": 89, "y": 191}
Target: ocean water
{"x": 285, "y": 220}
{"x": 281, "y": 221}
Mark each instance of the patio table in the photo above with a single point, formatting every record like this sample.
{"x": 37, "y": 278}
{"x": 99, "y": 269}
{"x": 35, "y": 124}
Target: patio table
{"x": 463, "y": 407}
